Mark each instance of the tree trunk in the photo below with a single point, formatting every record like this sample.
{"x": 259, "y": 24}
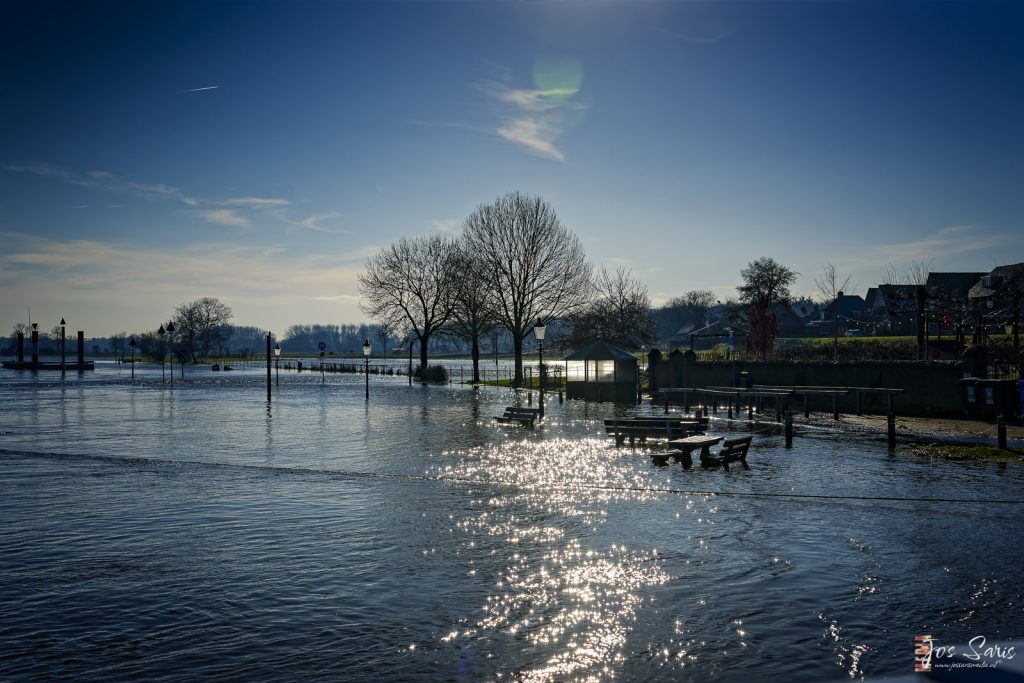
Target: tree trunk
{"x": 517, "y": 347}
{"x": 423, "y": 354}
{"x": 476, "y": 359}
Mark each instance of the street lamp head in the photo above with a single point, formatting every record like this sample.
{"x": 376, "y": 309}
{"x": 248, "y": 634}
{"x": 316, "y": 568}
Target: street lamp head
{"x": 35, "y": 326}
{"x": 161, "y": 331}
{"x": 367, "y": 348}
{"x": 539, "y": 330}
{"x": 839, "y": 294}
{"x": 62, "y": 323}
{"x": 277, "y": 349}
{"x": 170, "y": 327}
{"x": 131, "y": 342}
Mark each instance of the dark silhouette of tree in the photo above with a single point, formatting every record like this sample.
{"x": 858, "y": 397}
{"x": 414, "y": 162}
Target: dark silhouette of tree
{"x": 620, "y": 312}
{"x": 474, "y": 312}
{"x": 412, "y": 281}
{"x": 200, "y": 325}
{"x": 534, "y": 266}
{"x": 765, "y": 283}
{"x": 690, "y": 308}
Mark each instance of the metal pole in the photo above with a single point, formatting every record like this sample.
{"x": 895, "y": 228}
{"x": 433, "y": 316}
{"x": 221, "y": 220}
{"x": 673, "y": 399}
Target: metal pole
{"x": 63, "y": 347}
{"x": 133, "y": 361}
{"x": 789, "y": 429}
{"x": 540, "y": 368}
{"x": 269, "y": 351}
{"x": 366, "y": 372}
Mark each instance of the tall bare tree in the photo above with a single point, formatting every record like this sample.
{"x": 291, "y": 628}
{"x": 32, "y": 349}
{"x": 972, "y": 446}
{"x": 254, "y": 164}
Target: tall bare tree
{"x": 766, "y": 282}
{"x": 916, "y": 273}
{"x": 830, "y": 282}
{"x": 201, "y": 324}
{"x": 413, "y": 281}
{"x": 620, "y": 312}
{"x": 534, "y": 265}
{"x": 474, "y": 313}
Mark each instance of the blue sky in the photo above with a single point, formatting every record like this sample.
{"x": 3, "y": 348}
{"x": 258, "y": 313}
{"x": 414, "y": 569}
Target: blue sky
{"x": 152, "y": 153}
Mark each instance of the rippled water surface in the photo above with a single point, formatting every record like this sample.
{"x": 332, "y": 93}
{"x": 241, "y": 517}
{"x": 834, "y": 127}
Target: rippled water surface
{"x": 198, "y": 532}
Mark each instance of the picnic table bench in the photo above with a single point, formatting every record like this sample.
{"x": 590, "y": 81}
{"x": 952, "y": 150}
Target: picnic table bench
{"x": 520, "y": 416}
{"x": 643, "y": 428}
{"x": 732, "y": 450}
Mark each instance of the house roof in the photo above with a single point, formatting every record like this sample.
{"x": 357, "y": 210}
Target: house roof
{"x": 849, "y": 304}
{"x": 1012, "y": 272}
{"x": 953, "y": 286}
{"x": 601, "y": 350}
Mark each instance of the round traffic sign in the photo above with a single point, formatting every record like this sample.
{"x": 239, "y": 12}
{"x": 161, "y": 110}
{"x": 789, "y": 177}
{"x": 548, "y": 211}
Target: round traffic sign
{"x": 321, "y": 346}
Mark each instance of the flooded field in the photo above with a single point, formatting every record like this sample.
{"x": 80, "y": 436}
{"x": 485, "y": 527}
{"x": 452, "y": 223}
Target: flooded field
{"x": 199, "y": 532}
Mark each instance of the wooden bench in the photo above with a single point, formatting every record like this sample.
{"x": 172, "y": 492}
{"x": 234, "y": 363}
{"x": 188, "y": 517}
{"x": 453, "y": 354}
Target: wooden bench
{"x": 733, "y": 450}
{"x": 653, "y": 428}
{"x": 520, "y": 416}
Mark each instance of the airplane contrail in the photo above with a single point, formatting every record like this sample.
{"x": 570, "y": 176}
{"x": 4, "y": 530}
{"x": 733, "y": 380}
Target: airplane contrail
{"x": 208, "y": 87}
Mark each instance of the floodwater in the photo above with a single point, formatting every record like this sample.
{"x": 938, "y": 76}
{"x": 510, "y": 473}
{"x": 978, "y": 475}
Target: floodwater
{"x": 196, "y": 532}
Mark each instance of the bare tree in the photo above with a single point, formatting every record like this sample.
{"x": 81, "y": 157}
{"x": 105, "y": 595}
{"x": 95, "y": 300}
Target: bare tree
{"x": 201, "y": 324}
{"x": 118, "y": 344}
{"x": 474, "y": 313}
{"x": 534, "y": 265}
{"x": 620, "y": 312}
{"x": 411, "y": 281}
{"x": 914, "y": 274}
{"x": 765, "y": 283}
{"x": 830, "y": 283}
{"x": 385, "y": 331}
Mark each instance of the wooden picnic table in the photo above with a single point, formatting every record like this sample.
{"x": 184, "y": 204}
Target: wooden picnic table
{"x": 691, "y": 443}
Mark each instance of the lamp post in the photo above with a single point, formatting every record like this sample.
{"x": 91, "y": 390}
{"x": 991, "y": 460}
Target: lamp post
{"x": 131, "y": 343}
{"x": 835, "y": 327}
{"x": 163, "y": 354}
{"x": 366, "y": 370}
{"x": 170, "y": 331}
{"x": 538, "y": 333}
{"x": 277, "y": 364}
{"x": 62, "y": 347}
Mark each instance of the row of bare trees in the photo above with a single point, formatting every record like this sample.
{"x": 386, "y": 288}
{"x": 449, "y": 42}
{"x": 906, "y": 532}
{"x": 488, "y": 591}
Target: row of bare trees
{"x": 514, "y": 264}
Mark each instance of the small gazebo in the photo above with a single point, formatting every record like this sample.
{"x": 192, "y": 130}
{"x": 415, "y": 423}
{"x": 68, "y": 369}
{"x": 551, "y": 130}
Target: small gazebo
{"x": 601, "y": 372}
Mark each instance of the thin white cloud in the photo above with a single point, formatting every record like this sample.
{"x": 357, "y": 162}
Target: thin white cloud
{"x": 448, "y": 225}
{"x": 533, "y": 119}
{"x": 225, "y": 217}
{"x": 940, "y": 245}
{"x": 710, "y": 39}
{"x": 256, "y": 202}
{"x": 105, "y": 181}
{"x": 205, "y": 88}
{"x": 312, "y": 222}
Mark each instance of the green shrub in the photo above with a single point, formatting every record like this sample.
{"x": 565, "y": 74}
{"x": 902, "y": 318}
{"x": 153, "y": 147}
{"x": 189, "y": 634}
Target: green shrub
{"x": 433, "y": 373}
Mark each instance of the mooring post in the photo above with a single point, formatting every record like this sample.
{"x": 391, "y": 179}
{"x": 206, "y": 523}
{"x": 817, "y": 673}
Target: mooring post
{"x": 859, "y": 413}
{"x": 269, "y": 351}
{"x": 35, "y": 346}
{"x": 21, "y": 348}
{"x": 730, "y": 407}
{"x": 81, "y": 351}
{"x": 560, "y": 397}
{"x": 835, "y": 407}
{"x": 789, "y": 429}
{"x": 1001, "y": 431}
{"x": 807, "y": 409}
{"x": 750, "y": 408}
{"x": 666, "y": 401}
{"x": 891, "y": 433}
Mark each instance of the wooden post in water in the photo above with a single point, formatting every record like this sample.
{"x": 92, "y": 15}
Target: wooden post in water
{"x": 269, "y": 351}
{"x": 35, "y": 346}
{"x": 21, "y": 348}
{"x": 1001, "y": 431}
{"x": 789, "y": 429}
{"x": 835, "y": 407}
{"x": 891, "y": 434}
{"x": 81, "y": 351}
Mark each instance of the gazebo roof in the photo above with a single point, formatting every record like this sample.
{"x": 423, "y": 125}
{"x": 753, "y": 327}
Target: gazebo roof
{"x": 601, "y": 350}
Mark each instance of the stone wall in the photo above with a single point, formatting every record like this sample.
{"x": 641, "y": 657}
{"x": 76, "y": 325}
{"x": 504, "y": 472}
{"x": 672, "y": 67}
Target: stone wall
{"x": 930, "y": 388}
